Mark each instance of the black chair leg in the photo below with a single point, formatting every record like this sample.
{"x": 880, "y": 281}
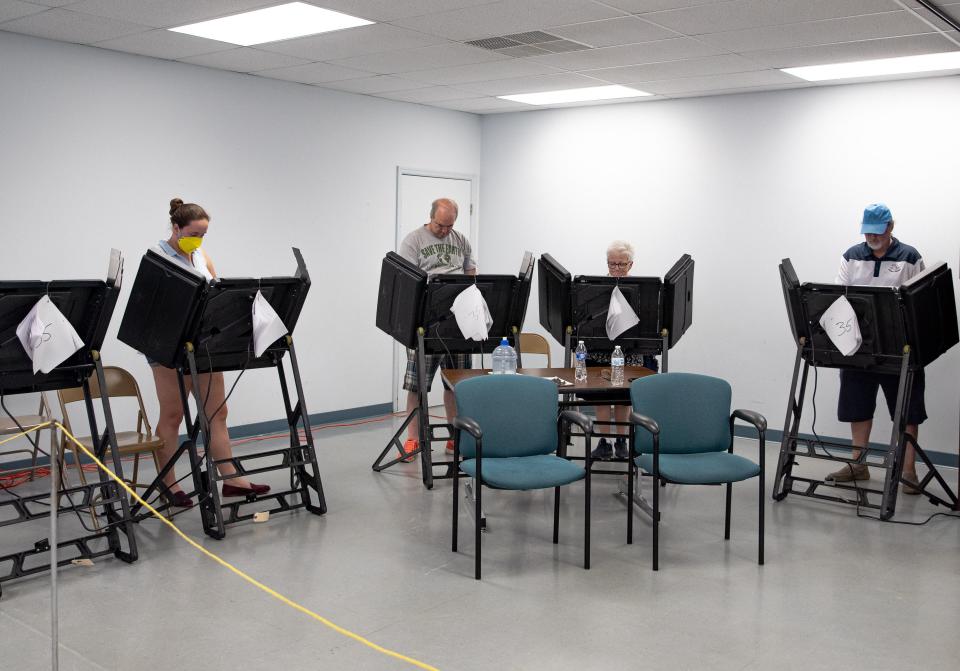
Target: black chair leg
{"x": 656, "y": 524}
{"x": 586, "y": 523}
{"x": 456, "y": 504}
{"x": 556, "y": 515}
{"x": 762, "y": 492}
{"x": 726, "y": 521}
{"x": 476, "y": 529}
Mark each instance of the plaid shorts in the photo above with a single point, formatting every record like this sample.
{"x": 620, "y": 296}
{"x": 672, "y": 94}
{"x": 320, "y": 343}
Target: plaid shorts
{"x": 434, "y": 361}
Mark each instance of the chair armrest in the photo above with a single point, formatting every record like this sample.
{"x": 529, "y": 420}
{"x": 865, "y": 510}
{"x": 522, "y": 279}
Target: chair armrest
{"x": 578, "y": 418}
{"x": 751, "y": 417}
{"x": 648, "y": 423}
{"x": 466, "y": 424}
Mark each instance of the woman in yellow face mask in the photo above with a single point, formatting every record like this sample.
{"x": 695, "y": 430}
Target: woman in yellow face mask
{"x": 189, "y": 223}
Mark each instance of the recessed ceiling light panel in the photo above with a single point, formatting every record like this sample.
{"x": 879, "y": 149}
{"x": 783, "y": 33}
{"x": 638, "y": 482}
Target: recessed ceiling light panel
{"x": 878, "y": 68}
{"x": 588, "y": 94}
{"x": 282, "y": 22}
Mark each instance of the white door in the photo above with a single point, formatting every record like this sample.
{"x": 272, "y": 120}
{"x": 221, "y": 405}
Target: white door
{"x": 416, "y": 190}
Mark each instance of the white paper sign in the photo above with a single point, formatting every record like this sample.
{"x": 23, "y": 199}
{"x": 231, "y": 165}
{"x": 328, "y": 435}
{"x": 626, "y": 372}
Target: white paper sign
{"x": 841, "y": 324}
{"x": 46, "y": 335}
{"x": 472, "y": 313}
{"x": 620, "y": 316}
{"x": 267, "y": 325}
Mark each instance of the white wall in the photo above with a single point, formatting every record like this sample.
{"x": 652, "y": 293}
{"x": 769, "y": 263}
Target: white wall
{"x": 95, "y": 143}
{"x": 739, "y": 182}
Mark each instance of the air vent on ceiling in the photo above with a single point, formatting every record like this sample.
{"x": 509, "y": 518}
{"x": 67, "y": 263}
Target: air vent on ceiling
{"x": 533, "y": 43}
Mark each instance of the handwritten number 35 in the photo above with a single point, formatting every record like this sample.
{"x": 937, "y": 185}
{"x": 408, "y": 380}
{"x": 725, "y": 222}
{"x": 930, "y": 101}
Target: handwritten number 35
{"x": 844, "y": 327}
{"x": 43, "y": 337}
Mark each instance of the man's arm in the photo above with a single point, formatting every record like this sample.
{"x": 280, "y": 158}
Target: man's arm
{"x": 469, "y": 262}
{"x": 409, "y": 251}
{"x": 843, "y": 275}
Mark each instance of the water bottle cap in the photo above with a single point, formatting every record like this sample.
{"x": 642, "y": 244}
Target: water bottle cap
{"x": 504, "y": 341}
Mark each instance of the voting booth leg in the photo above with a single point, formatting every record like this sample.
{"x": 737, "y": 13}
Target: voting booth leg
{"x": 116, "y": 538}
{"x": 785, "y": 461}
{"x": 893, "y": 460}
{"x": 121, "y": 523}
{"x": 308, "y": 484}
{"x": 204, "y": 471}
{"x": 423, "y": 426}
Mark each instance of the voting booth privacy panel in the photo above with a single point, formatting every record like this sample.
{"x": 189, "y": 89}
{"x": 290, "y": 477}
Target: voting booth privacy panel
{"x": 575, "y": 308}
{"x": 903, "y": 330}
{"x": 181, "y": 321}
{"x": 88, "y": 306}
{"x": 415, "y": 310}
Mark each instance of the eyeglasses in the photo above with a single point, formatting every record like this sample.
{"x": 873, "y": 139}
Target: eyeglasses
{"x": 619, "y": 266}
{"x": 439, "y": 225}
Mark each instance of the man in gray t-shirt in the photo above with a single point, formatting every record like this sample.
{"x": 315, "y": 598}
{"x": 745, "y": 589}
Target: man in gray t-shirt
{"x": 438, "y": 249}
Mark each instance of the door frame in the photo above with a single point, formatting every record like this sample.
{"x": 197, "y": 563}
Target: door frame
{"x": 399, "y": 404}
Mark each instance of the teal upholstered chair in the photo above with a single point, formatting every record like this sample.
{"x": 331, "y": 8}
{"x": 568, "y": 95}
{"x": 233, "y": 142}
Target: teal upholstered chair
{"x": 685, "y": 436}
{"x": 506, "y": 436}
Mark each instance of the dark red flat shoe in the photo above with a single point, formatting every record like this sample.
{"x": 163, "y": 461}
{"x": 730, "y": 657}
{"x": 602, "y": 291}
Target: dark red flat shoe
{"x": 232, "y": 490}
{"x": 179, "y": 500}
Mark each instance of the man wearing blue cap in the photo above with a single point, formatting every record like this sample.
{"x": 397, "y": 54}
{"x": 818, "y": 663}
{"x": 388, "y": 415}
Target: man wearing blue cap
{"x": 881, "y": 260}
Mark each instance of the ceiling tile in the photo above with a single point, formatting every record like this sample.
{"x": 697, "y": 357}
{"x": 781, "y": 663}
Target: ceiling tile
{"x": 695, "y": 67}
{"x": 483, "y": 105}
{"x": 429, "y": 94}
{"x": 508, "y": 16}
{"x": 388, "y": 10}
{"x": 733, "y": 91}
{"x": 67, "y": 26}
{"x": 420, "y": 59}
{"x": 742, "y": 14}
{"x": 478, "y": 72}
{"x": 853, "y": 51}
{"x": 832, "y": 31}
{"x": 720, "y": 82}
{"x": 641, "y": 6}
{"x": 372, "y": 39}
{"x": 13, "y": 9}
{"x": 374, "y": 85}
{"x": 244, "y": 59}
{"x": 314, "y": 73}
{"x": 613, "y": 32}
{"x": 167, "y": 13}
{"x": 631, "y": 54}
{"x": 164, "y": 44}
{"x": 534, "y": 84}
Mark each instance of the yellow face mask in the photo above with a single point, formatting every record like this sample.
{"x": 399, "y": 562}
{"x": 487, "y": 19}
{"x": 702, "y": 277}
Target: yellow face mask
{"x": 190, "y": 244}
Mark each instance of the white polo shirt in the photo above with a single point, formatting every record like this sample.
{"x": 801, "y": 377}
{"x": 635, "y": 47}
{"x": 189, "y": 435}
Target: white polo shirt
{"x": 860, "y": 267}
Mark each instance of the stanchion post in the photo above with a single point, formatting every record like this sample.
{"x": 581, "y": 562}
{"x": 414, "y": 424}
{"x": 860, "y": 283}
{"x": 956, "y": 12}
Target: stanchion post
{"x": 54, "y": 509}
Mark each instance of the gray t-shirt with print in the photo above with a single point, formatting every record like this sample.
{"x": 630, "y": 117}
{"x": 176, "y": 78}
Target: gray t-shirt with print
{"x": 438, "y": 256}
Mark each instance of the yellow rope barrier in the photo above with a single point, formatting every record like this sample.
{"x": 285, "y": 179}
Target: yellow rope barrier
{"x": 227, "y": 565}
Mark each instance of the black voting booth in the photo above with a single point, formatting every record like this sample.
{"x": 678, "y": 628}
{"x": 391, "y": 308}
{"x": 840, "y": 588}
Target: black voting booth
{"x": 88, "y": 306}
{"x": 904, "y": 329}
{"x": 575, "y": 308}
{"x": 414, "y": 309}
{"x": 178, "y": 319}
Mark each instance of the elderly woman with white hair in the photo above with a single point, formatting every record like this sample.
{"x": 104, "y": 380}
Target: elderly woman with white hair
{"x": 620, "y": 255}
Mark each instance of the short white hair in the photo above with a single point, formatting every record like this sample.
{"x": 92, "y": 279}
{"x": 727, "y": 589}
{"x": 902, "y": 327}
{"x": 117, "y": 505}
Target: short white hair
{"x": 620, "y": 247}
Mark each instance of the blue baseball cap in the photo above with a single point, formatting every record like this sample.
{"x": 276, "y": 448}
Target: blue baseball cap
{"x": 875, "y": 219}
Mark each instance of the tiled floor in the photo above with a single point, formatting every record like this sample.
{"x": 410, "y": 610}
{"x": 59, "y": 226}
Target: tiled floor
{"x": 837, "y": 592}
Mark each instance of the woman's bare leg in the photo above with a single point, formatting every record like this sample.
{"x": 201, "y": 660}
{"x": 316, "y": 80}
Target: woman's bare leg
{"x": 212, "y": 391}
{"x": 171, "y": 417}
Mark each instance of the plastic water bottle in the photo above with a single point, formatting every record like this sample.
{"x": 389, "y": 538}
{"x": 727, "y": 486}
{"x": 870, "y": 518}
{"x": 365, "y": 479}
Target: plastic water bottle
{"x": 504, "y": 359}
{"x": 616, "y": 366}
{"x": 580, "y": 362}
